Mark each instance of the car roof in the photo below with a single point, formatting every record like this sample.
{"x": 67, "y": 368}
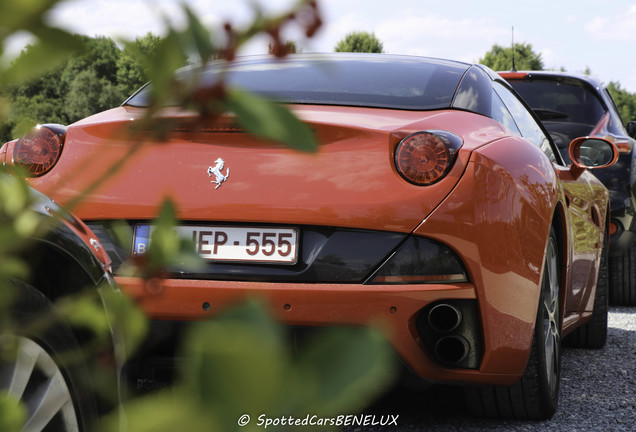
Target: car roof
{"x": 552, "y": 75}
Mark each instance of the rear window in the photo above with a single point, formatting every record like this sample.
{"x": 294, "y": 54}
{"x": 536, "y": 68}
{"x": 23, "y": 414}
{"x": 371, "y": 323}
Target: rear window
{"x": 352, "y": 80}
{"x": 566, "y": 101}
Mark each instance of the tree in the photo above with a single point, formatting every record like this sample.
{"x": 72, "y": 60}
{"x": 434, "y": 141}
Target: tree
{"x": 360, "y": 42}
{"x": 101, "y": 55}
{"x": 132, "y": 65}
{"x": 500, "y": 58}
{"x": 625, "y": 101}
{"x": 98, "y": 78}
{"x": 89, "y": 94}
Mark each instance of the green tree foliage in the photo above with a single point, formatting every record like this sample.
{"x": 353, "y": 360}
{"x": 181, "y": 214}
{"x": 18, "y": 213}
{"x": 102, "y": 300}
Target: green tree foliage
{"x": 101, "y": 77}
{"x": 100, "y": 55}
{"x": 500, "y": 58}
{"x": 132, "y": 65}
{"x": 625, "y": 101}
{"x": 88, "y": 93}
{"x": 360, "y": 42}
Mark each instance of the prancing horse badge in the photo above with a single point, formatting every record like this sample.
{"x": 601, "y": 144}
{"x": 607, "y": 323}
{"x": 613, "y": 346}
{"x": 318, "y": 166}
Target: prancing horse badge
{"x": 218, "y": 175}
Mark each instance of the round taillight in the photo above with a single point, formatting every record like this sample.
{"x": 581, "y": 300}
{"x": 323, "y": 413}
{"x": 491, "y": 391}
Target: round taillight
{"x": 425, "y": 157}
{"x": 38, "y": 151}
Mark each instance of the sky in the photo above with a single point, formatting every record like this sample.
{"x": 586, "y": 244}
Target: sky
{"x": 572, "y": 34}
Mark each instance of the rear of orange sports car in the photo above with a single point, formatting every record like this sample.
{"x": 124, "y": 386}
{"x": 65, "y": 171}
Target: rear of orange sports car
{"x": 420, "y": 211}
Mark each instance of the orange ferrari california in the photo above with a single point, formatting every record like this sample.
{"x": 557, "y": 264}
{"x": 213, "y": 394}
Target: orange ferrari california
{"x": 436, "y": 205}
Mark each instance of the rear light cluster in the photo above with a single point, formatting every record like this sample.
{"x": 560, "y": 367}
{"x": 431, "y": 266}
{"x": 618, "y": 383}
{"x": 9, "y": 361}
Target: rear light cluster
{"x": 425, "y": 157}
{"x": 38, "y": 151}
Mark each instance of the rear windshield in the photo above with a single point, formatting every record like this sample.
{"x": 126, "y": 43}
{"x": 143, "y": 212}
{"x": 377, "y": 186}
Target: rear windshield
{"x": 564, "y": 101}
{"x": 370, "y": 81}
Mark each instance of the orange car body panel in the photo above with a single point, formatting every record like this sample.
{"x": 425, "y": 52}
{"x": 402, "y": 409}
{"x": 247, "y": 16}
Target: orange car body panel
{"x": 356, "y": 192}
{"x": 494, "y": 209}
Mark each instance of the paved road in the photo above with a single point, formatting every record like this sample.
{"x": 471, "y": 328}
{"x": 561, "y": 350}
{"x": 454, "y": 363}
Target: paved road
{"x": 598, "y": 393}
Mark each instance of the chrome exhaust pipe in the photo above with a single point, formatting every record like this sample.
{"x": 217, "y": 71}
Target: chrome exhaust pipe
{"x": 452, "y": 349}
{"x": 444, "y": 318}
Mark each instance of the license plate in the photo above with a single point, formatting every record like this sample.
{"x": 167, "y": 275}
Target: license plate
{"x": 236, "y": 244}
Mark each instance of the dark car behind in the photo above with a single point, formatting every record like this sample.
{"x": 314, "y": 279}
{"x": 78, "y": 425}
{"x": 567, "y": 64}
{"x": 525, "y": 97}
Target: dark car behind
{"x": 572, "y": 105}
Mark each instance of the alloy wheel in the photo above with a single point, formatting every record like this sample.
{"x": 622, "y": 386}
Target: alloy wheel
{"x": 551, "y": 321}
{"x": 31, "y": 375}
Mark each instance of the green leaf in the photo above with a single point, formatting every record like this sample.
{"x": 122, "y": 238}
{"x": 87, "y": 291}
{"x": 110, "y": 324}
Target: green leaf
{"x": 270, "y": 120}
{"x": 162, "y": 64}
{"x": 165, "y": 411}
{"x": 12, "y": 413}
{"x": 201, "y": 37}
{"x": 127, "y": 321}
{"x": 342, "y": 369}
{"x": 122, "y": 233}
{"x": 239, "y": 364}
{"x": 53, "y": 47}
{"x": 25, "y": 14}
{"x": 13, "y": 267}
{"x": 86, "y": 311}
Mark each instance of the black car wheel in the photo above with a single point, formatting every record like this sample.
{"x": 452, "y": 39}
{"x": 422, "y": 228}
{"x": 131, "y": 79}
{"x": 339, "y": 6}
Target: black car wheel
{"x": 623, "y": 277}
{"x": 535, "y": 396}
{"x": 593, "y": 334}
{"x": 33, "y": 372}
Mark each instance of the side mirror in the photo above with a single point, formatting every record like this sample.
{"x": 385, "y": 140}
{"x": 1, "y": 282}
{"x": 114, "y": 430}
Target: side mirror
{"x": 631, "y": 129}
{"x": 591, "y": 153}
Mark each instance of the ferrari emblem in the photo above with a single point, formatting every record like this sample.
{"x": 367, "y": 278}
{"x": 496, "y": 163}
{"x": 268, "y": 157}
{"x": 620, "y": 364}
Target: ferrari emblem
{"x": 218, "y": 175}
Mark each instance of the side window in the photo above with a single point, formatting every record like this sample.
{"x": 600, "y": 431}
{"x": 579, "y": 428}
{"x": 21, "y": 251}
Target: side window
{"x": 529, "y": 128}
{"x": 473, "y": 92}
{"x": 502, "y": 115}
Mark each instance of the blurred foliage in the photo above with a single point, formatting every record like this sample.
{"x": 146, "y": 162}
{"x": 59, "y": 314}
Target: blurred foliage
{"x": 12, "y": 413}
{"x": 167, "y": 249}
{"x": 18, "y": 223}
{"x": 240, "y": 363}
{"x": 132, "y": 71}
{"x": 500, "y": 58}
{"x": 362, "y": 42}
{"x": 290, "y": 47}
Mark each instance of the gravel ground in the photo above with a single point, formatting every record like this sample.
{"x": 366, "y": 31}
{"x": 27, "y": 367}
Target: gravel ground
{"x": 598, "y": 393}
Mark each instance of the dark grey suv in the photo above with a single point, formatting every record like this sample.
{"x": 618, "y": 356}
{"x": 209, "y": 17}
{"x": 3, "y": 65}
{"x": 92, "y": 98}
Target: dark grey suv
{"x": 570, "y": 106}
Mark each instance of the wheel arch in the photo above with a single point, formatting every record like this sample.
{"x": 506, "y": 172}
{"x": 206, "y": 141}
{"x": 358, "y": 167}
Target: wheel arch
{"x": 57, "y": 271}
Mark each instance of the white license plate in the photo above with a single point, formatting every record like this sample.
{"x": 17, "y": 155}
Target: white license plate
{"x": 237, "y": 244}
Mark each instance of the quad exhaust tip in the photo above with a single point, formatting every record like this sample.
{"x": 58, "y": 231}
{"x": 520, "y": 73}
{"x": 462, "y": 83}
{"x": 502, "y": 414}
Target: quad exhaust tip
{"x": 445, "y": 318}
{"x": 452, "y": 349}
{"x": 451, "y": 332}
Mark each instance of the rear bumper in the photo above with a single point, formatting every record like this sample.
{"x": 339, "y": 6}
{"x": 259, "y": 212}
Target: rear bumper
{"x": 395, "y": 308}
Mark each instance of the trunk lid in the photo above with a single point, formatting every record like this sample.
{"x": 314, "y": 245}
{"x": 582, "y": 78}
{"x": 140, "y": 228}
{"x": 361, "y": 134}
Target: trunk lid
{"x": 350, "y": 182}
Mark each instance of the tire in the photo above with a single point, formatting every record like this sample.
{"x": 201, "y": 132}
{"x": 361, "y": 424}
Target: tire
{"x": 623, "y": 277}
{"x": 31, "y": 369}
{"x": 535, "y": 396}
{"x": 593, "y": 334}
